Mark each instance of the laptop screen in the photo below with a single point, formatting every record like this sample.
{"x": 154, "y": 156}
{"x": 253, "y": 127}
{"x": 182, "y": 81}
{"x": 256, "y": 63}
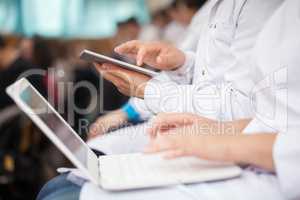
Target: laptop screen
{"x": 40, "y": 107}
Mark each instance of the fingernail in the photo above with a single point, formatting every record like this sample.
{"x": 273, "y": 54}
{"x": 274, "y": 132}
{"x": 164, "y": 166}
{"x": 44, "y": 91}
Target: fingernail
{"x": 105, "y": 67}
{"x": 147, "y": 149}
{"x": 159, "y": 59}
{"x": 117, "y": 49}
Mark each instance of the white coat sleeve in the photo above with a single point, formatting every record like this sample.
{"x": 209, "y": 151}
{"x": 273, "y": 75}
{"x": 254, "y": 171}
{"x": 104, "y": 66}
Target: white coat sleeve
{"x": 140, "y": 107}
{"x": 184, "y": 74}
{"x": 168, "y": 96}
{"x": 287, "y": 161}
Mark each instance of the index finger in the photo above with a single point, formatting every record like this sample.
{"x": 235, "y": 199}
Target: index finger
{"x": 166, "y": 121}
{"x": 131, "y": 47}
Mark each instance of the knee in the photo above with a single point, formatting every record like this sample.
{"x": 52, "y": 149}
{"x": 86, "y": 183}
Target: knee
{"x": 59, "y": 188}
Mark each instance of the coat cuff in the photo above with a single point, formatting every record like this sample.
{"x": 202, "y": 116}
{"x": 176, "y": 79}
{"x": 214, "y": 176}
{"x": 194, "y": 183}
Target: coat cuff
{"x": 184, "y": 74}
{"x": 140, "y": 106}
{"x": 286, "y": 153}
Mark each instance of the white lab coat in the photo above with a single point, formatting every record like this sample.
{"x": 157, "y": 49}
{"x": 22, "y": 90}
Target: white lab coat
{"x": 226, "y": 32}
{"x": 187, "y": 43}
{"x": 274, "y": 66}
{"x": 275, "y": 86}
{"x": 187, "y": 92}
{"x": 133, "y": 139}
{"x": 228, "y": 36}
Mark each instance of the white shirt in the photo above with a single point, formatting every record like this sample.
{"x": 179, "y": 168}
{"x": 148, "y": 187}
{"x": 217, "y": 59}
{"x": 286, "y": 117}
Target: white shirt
{"x": 275, "y": 89}
{"x": 226, "y": 38}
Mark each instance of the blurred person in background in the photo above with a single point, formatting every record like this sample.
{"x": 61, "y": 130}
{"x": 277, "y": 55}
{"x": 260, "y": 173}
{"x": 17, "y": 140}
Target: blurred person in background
{"x": 154, "y": 31}
{"x": 159, "y": 20}
{"x": 23, "y": 147}
{"x": 12, "y": 65}
{"x": 195, "y": 27}
{"x": 181, "y": 13}
{"x": 127, "y": 30}
{"x": 26, "y": 49}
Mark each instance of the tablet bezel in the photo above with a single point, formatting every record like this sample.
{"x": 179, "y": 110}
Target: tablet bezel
{"x": 91, "y": 56}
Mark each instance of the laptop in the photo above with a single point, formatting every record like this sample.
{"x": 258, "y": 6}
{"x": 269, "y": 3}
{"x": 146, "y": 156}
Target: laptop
{"x": 114, "y": 172}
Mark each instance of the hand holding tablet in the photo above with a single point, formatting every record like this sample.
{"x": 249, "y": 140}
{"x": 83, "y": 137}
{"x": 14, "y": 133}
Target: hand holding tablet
{"x": 130, "y": 80}
{"x": 98, "y": 58}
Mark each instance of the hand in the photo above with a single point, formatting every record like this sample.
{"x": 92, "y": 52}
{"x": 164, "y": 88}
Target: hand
{"x": 167, "y": 121}
{"x": 159, "y": 55}
{"x": 187, "y": 141}
{"x": 254, "y": 149}
{"x": 128, "y": 82}
{"x": 192, "y": 135}
{"x": 107, "y": 122}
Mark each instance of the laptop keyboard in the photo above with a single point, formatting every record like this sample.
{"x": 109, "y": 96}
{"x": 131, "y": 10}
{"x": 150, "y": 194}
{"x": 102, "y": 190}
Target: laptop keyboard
{"x": 136, "y": 170}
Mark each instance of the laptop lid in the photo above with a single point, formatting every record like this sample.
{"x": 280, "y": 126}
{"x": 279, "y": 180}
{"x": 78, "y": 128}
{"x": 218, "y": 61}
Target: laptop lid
{"x": 55, "y": 127}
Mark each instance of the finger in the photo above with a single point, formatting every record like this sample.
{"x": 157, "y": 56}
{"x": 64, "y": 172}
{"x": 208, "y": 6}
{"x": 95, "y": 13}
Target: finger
{"x": 122, "y": 74}
{"x": 131, "y": 56}
{"x": 118, "y": 71}
{"x": 97, "y": 65}
{"x": 93, "y": 132}
{"x": 174, "y": 154}
{"x": 155, "y": 125}
{"x": 109, "y": 66}
{"x": 92, "y": 136}
{"x": 101, "y": 68}
{"x": 116, "y": 80}
{"x": 130, "y": 47}
{"x": 161, "y": 143}
{"x": 141, "y": 56}
{"x": 151, "y": 133}
{"x": 163, "y": 58}
{"x": 167, "y": 121}
{"x": 124, "y": 91}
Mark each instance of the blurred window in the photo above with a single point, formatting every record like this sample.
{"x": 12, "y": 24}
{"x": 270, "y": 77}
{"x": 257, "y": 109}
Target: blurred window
{"x": 68, "y": 18}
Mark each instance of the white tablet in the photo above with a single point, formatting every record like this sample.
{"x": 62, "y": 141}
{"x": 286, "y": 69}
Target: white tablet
{"x": 95, "y": 57}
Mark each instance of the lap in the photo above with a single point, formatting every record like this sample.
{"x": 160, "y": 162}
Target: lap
{"x": 250, "y": 185}
{"x": 59, "y": 188}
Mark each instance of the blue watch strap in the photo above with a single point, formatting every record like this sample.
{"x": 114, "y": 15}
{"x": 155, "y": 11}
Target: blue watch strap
{"x": 132, "y": 114}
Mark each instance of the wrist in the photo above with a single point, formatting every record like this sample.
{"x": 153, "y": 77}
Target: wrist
{"x": 182, "y": 59}
{"x": 214, "y": 147}
{"x": 140, "y": 91}
{"x": 114, "y": 120}
{"x": 122, "y": 116}
{"x": 186, "y": 64}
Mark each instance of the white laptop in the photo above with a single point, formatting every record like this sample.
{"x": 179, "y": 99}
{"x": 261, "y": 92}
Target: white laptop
{"x": 114, "y": 172}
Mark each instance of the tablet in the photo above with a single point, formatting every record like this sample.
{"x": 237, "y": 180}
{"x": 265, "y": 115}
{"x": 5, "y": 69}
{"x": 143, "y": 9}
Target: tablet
{"x": 95, "y": 57}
